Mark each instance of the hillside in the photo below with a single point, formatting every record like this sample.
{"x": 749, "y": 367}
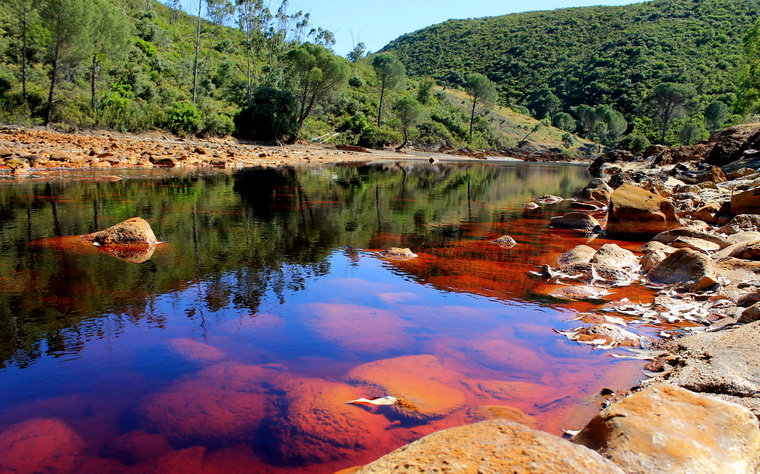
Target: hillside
{"x": 592, "y": 55}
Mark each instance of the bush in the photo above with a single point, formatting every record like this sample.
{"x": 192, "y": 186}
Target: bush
{"x": 184, "y": 119}
{"x": 273, "y": 114}
{"x": 635, "y": 142}
{"x": 217, "y": 125}
{"x": 379, "y": 137}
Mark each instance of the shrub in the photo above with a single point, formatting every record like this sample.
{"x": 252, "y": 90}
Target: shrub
{"x": 379, "y": 137}
{"x": 184, "y": 118}
{"x": 217, "y": 125}
{"x": 273, "y": 114}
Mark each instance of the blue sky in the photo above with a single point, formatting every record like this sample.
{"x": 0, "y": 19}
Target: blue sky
{"x": 376, "y": 23}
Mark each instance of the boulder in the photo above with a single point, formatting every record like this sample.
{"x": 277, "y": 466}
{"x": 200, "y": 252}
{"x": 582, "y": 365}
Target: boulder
{"x": 637, "y": 212}
{"x": 425, "y": 389}
{"x": 704, "y": 246}
{"x": 730, "y": 144}
{"x": 740, "y": 173}
{"x": 668, "y": 429}
{"x": 594, "y": 272}
{"x": 739, "y": 271}
{"x": 686, "y": 268}
{"x": 579, "y": 254}
{"x": 723, "y": 363}
{"x": 549, "y": 199}
{"x": 708, "y": 213}
{"x": 614, "y": 256}
{"x": 164, "y": 161}
{"x": 490, "y": 447}
{"x": 576, "y": 221}
{"x": 715, "y": 175}
{"x": 398, "y": 253}
{"x": 670, "y": 236}
{"x": 505, "y": 241}
{"x": 751, "y": 314}
{"x": 39, "y": 445}
{"x": 741, "y": 223}
{"x": 595, "y": 190}
{"x": 747, "y": 202}
{"x": 134, "y": 231}
{"x": 579, "y": 293}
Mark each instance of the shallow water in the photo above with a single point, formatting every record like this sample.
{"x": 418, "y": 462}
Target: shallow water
{"x": 235, "y": 345}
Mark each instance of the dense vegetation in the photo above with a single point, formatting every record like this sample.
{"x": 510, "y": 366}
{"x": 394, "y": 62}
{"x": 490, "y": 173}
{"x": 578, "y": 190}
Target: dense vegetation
{"x": 135, "y": 65}
{"x": 615, "y": 56}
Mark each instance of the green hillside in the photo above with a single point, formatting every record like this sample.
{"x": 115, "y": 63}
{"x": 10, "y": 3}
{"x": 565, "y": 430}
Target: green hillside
{"x": 592, "y": 55}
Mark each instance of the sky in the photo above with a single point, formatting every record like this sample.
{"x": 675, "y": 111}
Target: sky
{"x": 376, "y": 23}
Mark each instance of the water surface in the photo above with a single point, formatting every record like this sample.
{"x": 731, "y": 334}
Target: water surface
{"x": 235, "y": 345}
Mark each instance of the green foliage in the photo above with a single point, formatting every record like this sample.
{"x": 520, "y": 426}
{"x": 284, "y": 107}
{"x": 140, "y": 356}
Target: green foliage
{"x": 601, "y": 123}
{"x": 409, "y": 112}
{"x": 564, "y": 121}
{"x": 272, "y": 115}
{"x": 482, "y": 91}
{"x": 692, "y": 133}
{"x": 184, "y": 118}
{"x": 668, "y": 101}
{"x": 716, "y": 114}
{"x": 543, "y": 103}
{"x": 390, "y": 74}
{"x": 635, "y": 142}
{"x": 749, "y": 98}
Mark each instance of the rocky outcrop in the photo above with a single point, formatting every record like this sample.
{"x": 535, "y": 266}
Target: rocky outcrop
{"x": 576, "y": 221}
{"x": 636, "y": 212}
{"x": 668, "y": 429}
{"x": 491, "y": 447}
{"x": 751, "y": 314}
{"x": 686, "y": 268}
{"x": 134, "y": 231}
{"x": 730, "y": 146}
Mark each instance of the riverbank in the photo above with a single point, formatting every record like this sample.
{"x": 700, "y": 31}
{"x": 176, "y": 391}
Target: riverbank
{"x": 696, "y": 212}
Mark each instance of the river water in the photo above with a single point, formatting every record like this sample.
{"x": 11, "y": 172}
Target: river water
{"x": 235, "y": 345}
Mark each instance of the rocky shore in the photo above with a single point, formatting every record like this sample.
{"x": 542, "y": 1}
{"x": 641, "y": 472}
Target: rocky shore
{"x": 696, "y": 212}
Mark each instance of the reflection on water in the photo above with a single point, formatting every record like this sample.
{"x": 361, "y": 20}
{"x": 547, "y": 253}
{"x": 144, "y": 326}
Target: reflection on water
{"x": 236, "y": 345}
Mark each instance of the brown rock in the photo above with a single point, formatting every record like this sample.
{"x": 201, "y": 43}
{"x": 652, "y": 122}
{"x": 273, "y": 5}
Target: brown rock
{"x": 739, "y": 271}
{"x": 699, "y": 245}
{"x": 598, "y": 273}
{"x": 668, "y": 429}
{"x": 165, "y": 161}
{"x": 740, "y": 173}
{"x": 494, "y": 446}
{"x": 131, "y": 231}
{"x": 742, "y": 223}
{"x": 59, "y": 156}
{"x": 715, "y": 175}
{"x": 579, "y": 293}
{"x": 708, "y": 213}
{"x": 498, "y": 412}
{"x": 424, "y": 387}
{"x": 549, "y": 199}
{"x": 614, "y": 256}
{"x": 505, "y": 241}
{"x": 747, "y": 202}
{"x": 635, "y": 211}
{"x": 354, "y": 148}
{"x": 398, "y": 253}
{"x": 576, "y": 221}
{"x": 670, "y": 236}
{"x": 751, "y": 314}
{"x": 579, "y": 254}
{"x": 39, "y": 445}
{"x": 595, "y": 190}
{"x": 686, "y": 268}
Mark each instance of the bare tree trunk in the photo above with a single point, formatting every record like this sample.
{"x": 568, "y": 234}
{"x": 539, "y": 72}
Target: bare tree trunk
{"x": 23, "y": 55}
{"x": 472, "y": 115}
{"x": 380, "y": 107}
{"x": 93, "y": 86}
{"x": 53, "y": 80}
{"x": 197, "y": 50}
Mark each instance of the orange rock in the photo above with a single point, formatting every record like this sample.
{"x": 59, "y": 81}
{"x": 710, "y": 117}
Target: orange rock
{"x": 39, "y": 445}
{"x": 496, "y": 412}
{"x": 501, "y": 354}
{"x": 131, "y": 231}
{"x": 635, "y": 211}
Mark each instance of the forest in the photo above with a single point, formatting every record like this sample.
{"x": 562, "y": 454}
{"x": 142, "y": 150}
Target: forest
{"x": 657, "y": 72}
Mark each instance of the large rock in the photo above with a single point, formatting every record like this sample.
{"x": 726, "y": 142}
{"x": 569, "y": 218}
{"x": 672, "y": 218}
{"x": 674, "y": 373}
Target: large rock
{"x": 741, "y": 223}
{"x": 614, "y": 256}
{"x": 668, "y": 429}
{"x": 747, "y": 202}
{"x": 493, "y": 446}
{"x": 637, "y": 212}
{"x": 134, "y": 231}
{"x": 723, "y": 363}
{"x": 670, "y": 236}
{"x": 425, "y": 389}
{"x": 751, "y": 314}
{"x": 595, "y": 190}
{"x": 39, "y": 445}
{"x": 686, "y": 268}
{"x": 579, "y": 254}
{"x": 576, "y": 221}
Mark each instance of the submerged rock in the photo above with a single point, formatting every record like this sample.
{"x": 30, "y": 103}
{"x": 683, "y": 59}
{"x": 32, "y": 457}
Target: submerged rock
{"x": 637, "y": 212}
{"x": 134, "y": 231}
{"x": 491, "y": 446}
{"x": 576, "y": 221}
{"x": 505, "y": 241}
{"x": 39, "y": 445}
{"x": 668, "y": 429}
{"x": 686, "y": 268}
{"x": 549, "y": 199}
{"x": 136, "y": 446}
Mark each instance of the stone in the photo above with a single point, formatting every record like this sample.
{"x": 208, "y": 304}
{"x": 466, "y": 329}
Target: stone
{"x": 164, "y": 161}
{"x": 611, "y": 334}
{"x": 493, "y": 446}
{"x": 317, "y": 425}
{"x": 637, "y": 212}
{"x": 715, "y": 175}
{"x": 742, "y": 223}
{"x": 723, "y": 363}
{"x": 134, "y": 231}
{"x": 425, "y": 389}
{"x": 614, "y": 256}
{"x": 579, "y": 293}
{"x": 699, "y": 245}
{"x": 136, "y": 447}
{"x": 670, "y": 236}
{"x": 740, "y": 173}
{"x": 751, "y": 314}
{"x": 746, "y": 251}
{"x": 749, "y": 299}
{"x": 598, "y": 273}
{"x": 595, "y": 190}
{"x": 668, "y": 429}
{"x": 579, "y": 254}
{"x": 686, "y": 268}
{"x": 39, "y": 445}
{"x": 738, "y": 270}
{"x": 747, "y": 202}
{"x": 59, "y": 156}
{"x": 505, "y": 241}
{"x": 576, "y": 221}
{"x": 708, "y": 213}
{"x": 531, "y": 206}
{"x": 549, "y": 199}
{"x": 398, "y": 253}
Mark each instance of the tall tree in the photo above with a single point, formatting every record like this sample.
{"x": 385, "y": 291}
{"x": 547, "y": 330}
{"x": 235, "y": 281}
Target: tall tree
{"x": 318, "y": 73}
{"x": 482, "y": 91}
{"x": 69, "y": 23}
{"x": 749, "y": 97}
{"x": 544, "y": 103}
{"x": 108, "y": 37}
{"x": 25, "y": 11}
{"x": 197, "y": 51}
{"x": 252, "y": 16}
{"x": 220, "y": 11}
{"x": 668, "y": 101}
{"x": 357, "y": 53}
{"x": 390, "y": 72}
{"x": 716, "y": 114}
{"x": 409, "y": 113}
